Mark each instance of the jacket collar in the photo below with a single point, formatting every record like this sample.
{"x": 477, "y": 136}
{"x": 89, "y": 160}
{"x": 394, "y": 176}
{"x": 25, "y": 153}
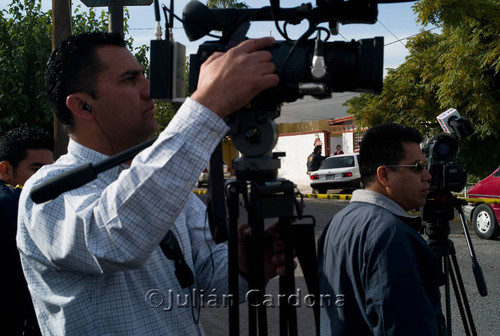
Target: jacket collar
{"x": 375, "y": 198}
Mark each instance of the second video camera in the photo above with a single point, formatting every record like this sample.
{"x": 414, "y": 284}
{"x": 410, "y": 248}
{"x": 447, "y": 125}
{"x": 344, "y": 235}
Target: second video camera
{"x": 447, "y": 174}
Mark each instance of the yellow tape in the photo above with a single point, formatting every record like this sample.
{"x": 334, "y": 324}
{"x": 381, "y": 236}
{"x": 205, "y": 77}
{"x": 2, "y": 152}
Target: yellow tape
{"x": 482, "y": 200}
{"x": 348, "y": 197}
{"x": 328, "y": 196}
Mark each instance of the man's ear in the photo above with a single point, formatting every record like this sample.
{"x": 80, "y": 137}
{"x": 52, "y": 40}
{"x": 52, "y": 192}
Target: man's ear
{"x": 76, "y": 102}
{"x": 383, "y": 175}
{"x": 6, "y": 172}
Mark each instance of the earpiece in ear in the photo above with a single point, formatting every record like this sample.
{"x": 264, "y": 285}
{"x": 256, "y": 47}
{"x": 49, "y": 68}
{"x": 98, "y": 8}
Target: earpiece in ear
{"x": 87, "y": 107}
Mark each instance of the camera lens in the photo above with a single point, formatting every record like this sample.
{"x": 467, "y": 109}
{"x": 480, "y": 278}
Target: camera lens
{"x": 442, "y": 149}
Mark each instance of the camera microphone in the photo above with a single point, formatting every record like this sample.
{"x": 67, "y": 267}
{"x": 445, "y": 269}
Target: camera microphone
{"x": 452, "y": 123}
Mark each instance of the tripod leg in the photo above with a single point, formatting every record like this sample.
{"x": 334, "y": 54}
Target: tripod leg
{"x": 288, "y": 311}
{"x": 255, "y": 255}
{"x": 233, "y": 269}
{"x": 462, "y": 293}
{"x": 446, "y": 272}
{"x": 459, "y": 301}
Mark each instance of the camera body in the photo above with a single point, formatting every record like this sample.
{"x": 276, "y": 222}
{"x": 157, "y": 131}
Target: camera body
{"x": 307, "y": 66}
{"x": 344, "y": 66}
{"x": 447, "y": 174}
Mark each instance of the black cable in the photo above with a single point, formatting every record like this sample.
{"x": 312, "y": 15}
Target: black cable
{"x": 310, "y": 30}
{"x": 172, "y": 14}
{"x": 166, "y": 20}
{"x": 275, "y": 9}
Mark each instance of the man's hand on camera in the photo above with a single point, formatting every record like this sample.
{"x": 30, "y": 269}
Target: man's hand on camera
{"x": 274, "y": 252}
{"x": 228, "y": 81}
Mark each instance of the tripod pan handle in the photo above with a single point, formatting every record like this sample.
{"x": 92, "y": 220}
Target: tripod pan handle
{"x": 478, "y": 274}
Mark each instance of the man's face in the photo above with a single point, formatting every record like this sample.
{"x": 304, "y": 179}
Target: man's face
{"x": 123, "y": 108}
{"x": 406, "y": 187}
{"x": 33, "y": 161}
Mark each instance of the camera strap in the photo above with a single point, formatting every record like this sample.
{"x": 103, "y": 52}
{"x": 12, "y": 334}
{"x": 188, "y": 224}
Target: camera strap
{"x": 216, "y": 206}
{"x": 171, "y": 249}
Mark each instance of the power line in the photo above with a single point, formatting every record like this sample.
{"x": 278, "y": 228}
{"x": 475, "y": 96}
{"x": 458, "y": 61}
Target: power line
{"x": 405, "y": 38}
{"x": 390, "y": 32}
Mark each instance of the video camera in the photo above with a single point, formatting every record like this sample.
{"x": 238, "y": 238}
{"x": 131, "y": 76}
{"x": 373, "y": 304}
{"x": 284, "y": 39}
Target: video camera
{"x": 305, "y": 66}
{"x": 440, "y": 151}
{"x": 447, "y": 174}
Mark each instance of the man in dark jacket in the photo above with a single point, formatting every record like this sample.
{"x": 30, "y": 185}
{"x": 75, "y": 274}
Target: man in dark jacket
{"x": 380, "y": 274}
{"x": 23, "y": 151}
{"x": 315, "y": 159}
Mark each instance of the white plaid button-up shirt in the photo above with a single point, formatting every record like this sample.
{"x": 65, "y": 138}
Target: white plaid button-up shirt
{"x": 91, "y": 256}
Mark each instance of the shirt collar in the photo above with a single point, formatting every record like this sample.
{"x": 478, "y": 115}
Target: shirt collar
{"x": 84, "y": 153}
{"x": 88, "y": 155}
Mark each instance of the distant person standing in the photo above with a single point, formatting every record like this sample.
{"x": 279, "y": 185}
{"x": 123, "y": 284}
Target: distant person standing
{"x": 23, "y": 151}
{"x": 339, "y": 150}
{"x": 315, "y": 159}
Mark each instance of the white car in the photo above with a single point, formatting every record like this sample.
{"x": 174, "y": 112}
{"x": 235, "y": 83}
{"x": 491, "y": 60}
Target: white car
{"x": 203, "y": 179}
{"x": 336, "y": 172}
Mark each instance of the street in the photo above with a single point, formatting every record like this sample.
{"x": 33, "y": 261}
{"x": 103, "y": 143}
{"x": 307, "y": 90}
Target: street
{"x": 484, "y": 309}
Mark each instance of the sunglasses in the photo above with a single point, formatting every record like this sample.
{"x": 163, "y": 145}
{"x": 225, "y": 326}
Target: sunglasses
{"x": 418, "y": 167}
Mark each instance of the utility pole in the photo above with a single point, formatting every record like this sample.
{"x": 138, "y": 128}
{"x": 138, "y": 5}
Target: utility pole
{"x": 115, "y": 10}
{"x": 61, "y": 30}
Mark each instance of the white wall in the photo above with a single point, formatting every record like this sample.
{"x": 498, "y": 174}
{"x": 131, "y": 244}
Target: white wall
{"x": 297, "y": 149}
{"x": 348, "y": 142}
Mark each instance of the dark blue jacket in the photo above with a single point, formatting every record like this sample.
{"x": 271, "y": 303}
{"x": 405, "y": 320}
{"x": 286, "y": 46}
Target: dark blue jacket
{"x": 380, "y": 275}
{"x": 18, "y": 314}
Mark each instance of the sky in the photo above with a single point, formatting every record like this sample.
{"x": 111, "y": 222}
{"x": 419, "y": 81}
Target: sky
{"x": 395, "y": 21}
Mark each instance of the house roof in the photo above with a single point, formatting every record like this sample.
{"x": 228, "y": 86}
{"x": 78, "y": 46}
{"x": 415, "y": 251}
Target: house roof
{"x": 309, "y": 108}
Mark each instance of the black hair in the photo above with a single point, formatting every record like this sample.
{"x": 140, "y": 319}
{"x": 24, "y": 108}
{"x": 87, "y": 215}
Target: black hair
{"x": 74, "y": 67}
{"x": 383, "y": 145}
{"x": 14, "y": 144}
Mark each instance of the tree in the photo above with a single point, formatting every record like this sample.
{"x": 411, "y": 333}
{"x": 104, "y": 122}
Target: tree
{"x": 25, "y": 46}
{"x": 25, "y": 43}
{"x": 225, "y": 4}
{"x": 458, "y": 67}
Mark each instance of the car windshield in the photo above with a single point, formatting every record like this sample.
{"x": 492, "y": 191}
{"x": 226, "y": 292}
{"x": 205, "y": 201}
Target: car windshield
{"x": 497, "y": 172}
{"x": 338, "y": 162}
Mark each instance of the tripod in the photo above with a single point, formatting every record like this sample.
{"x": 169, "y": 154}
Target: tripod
{"x": 438, "y": 210}
{"x": 267, "y": 197}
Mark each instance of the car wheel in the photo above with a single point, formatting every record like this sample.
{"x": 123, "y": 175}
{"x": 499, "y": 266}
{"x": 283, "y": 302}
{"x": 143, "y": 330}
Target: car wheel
{"x": 322, "y": 191}
{"x": 485, "y": 223}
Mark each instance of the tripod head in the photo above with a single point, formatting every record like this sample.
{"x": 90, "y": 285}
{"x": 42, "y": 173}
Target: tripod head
{"x": 254, "y": 134}
{"x": 437, "y": 212}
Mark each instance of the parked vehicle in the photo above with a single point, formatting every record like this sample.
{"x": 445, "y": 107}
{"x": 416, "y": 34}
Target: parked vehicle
{"x": 336, "y": 172}
{"x": 203, "y": 179}
{"x": 484, "y": 216}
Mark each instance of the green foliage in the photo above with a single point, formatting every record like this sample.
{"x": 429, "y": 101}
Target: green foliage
{"x": 225, "y": 4}
{"x": 164, "y": 112}
{"x": 25, "y": 46}
{"x": 25, "y": 43}
{"x": 459, "y": 68}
